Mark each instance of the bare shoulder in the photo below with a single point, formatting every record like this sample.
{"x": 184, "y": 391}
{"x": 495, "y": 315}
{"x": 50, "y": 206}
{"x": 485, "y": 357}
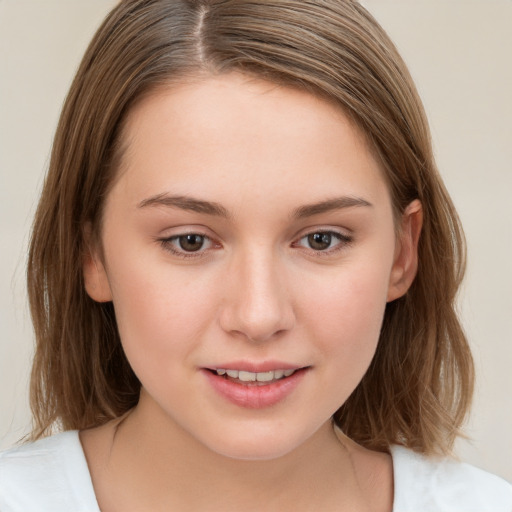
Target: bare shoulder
{"x": 374, "y": 472}
{"x": 97, "y": 446}
{"x": 96, "y": 441}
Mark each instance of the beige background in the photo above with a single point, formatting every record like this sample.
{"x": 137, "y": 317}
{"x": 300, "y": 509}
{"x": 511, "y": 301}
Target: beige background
{"x": 459, "y": 52}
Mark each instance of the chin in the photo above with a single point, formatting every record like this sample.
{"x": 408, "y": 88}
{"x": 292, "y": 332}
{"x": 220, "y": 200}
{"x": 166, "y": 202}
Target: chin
{"x": 255, "y": 444}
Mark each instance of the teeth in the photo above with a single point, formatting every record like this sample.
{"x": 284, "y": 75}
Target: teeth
{"x": 265, "y": 376}
{"x": 278, "y": 374}
{"x": 247, "y": 376}
{"x": 253, "y": 377}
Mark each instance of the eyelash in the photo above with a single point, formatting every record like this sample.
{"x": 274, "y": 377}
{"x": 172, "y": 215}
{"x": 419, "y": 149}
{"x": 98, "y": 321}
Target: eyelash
{"x": 169, "y": 243}
{"x": 343, "y": 241}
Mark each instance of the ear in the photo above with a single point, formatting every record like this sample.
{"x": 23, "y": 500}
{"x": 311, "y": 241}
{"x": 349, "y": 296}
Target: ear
{"x": 405, "y": 263}
{"x": 93, "y": 267}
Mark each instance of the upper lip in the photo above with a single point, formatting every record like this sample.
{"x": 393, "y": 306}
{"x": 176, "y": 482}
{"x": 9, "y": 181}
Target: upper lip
{"x": 256, "y": 367}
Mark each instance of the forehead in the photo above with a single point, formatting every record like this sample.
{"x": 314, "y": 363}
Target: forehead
{"x": 208, "y": 135}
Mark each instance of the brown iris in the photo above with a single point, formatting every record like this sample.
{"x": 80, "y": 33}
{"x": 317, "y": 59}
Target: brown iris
{"x": 191, "y": 243}
{"x": 319, "y": 241}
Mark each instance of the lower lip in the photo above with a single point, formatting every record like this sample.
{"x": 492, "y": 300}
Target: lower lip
{"x": 254, "y": 396}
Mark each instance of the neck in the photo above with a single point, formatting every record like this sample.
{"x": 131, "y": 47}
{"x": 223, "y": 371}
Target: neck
{"x": 152, "y": 460}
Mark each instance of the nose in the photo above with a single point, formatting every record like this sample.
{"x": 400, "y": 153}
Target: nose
{"x": 257, "y": 305}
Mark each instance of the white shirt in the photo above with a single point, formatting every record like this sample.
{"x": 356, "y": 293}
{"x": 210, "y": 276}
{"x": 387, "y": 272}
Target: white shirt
{"x": 51, "y": 475}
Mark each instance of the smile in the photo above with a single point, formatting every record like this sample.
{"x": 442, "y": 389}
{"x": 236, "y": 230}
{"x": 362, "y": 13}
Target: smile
{"x": 258, "y": 389}
{"x": 257, "y": 378}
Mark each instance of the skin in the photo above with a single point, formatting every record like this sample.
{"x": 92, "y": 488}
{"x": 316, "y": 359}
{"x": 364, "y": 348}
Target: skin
{"x": 255, "y": 291}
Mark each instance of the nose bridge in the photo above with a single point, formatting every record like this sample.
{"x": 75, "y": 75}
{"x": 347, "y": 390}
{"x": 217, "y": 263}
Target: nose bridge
{"x": 258, "y": 305}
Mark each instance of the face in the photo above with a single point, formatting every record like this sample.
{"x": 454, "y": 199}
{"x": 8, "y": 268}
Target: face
{"x": 249, "y": 249}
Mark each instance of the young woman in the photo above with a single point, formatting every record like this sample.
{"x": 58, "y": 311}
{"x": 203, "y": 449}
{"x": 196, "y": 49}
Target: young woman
{"x": 242, "y": 275}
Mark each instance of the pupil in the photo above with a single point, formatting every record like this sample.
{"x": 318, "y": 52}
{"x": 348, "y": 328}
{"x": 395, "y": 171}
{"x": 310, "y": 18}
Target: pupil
{"x": 191, "y": 243}
{"x": 319, "y": 241}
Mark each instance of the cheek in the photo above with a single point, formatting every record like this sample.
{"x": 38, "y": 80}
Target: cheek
{"x": 352, "y": 319}
{"x": 160, "y": 312}
{"x": 345, "y": 319}
{"x": 351, "y": 296}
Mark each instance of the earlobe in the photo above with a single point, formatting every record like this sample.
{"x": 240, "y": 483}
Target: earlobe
{"x": 96, "y": 281}
{"x": 405, "y": 264}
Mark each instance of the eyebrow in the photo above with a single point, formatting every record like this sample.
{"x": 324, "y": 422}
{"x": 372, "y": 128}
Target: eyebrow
{"x": 212, "y": 208}
{"x": 329, "y": 205}
{"x": 185, "y": 203}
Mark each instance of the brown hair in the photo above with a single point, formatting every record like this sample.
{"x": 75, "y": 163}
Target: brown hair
{"x": 418, "y": 388}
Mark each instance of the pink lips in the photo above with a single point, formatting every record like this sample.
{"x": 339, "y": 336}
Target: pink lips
{"x": 253, "y": 395}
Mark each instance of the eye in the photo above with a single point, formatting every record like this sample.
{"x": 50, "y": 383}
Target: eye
{"x": 187, "y": 244}
{"x": 324, "y": 241}
{"x": 191, "y": 243}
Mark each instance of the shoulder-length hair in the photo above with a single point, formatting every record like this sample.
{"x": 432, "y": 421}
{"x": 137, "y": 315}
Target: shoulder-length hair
{"x": 418, "y": 388}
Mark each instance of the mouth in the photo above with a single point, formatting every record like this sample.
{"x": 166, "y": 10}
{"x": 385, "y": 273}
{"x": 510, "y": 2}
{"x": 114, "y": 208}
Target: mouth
{"x": 248, "y": 378}
{"x": 266, "y": 385}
